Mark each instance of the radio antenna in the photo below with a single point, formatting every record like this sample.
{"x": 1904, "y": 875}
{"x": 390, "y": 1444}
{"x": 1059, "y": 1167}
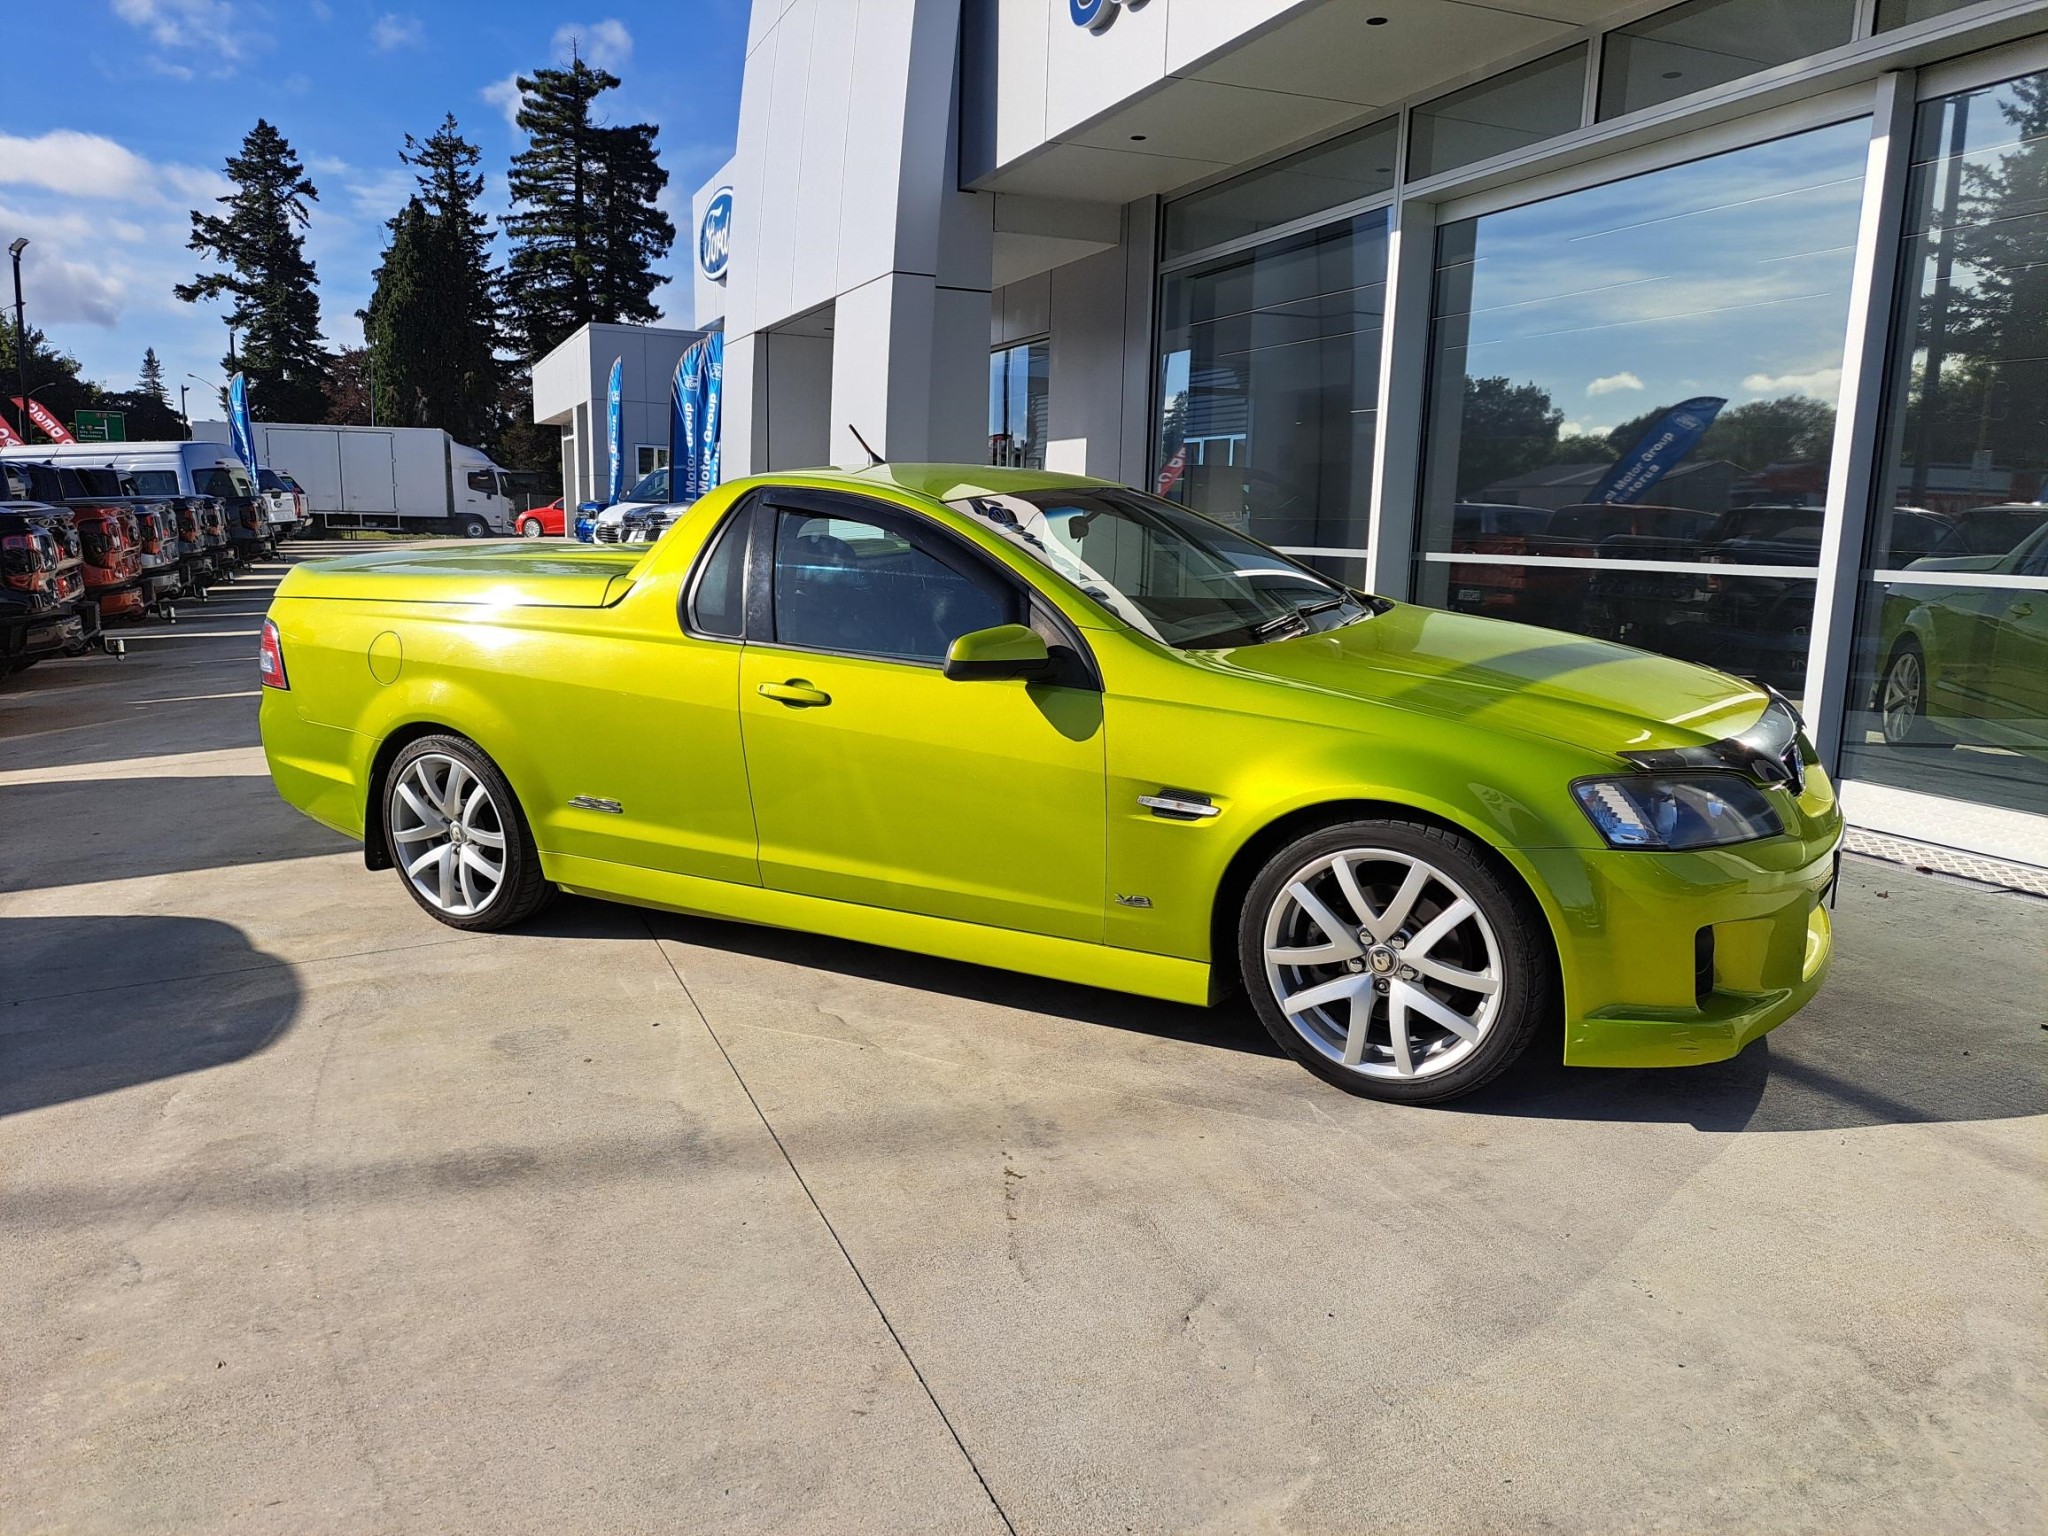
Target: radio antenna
{"x": 874, "y": 458}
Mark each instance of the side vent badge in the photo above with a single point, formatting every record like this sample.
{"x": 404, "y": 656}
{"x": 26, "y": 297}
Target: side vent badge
{"x": 596, "y": 803}
{"x": 1144, "y": 902}
{"x": 1180, "y": 805}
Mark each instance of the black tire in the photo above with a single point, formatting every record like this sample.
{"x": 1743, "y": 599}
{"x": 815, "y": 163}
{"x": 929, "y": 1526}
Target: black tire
{"x": 1906, "y": 671}
{"x": 531, "y": 528}
{"x": 472, "y": 527}
{"x": 1524, "y": 960}
{"x": 523, "y": 890}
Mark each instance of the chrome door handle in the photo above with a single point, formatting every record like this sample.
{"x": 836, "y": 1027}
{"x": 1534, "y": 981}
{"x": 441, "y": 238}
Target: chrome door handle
{"x": 796, "y": 692}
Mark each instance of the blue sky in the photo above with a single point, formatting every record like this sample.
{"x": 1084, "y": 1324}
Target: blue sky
{"x": 117, "y": 116}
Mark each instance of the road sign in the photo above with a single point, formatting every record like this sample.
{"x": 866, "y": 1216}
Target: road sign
{"x": 100, "y": 426}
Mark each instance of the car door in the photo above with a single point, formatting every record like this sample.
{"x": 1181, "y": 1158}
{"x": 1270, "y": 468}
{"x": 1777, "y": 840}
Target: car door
{"x": 878, "y": 780}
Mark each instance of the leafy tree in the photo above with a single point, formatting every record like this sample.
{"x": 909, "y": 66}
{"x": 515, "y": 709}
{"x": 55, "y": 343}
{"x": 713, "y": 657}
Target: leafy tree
{"x": 150, "y": 381}
{"x": 1582, "y": 448}
{"x": 432, "y": 323}
{"x": 1507, "y": 429}
{"x": 259, "y": 244}
{"x": 53, "y": 381}
{"x": 348, "y": 388}
{"x": 585, "y": 230}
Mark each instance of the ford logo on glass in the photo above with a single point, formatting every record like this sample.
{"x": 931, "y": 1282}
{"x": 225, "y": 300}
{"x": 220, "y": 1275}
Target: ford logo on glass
{"x": 714, "y": 235}
{"x": 1092, "y": 14}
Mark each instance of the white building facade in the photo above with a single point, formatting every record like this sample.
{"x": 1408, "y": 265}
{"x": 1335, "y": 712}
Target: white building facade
{"x": 1711, "y": 327}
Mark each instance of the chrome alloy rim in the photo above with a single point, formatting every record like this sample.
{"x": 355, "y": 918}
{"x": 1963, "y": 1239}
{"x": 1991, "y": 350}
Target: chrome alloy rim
{"x": 450, "y": 837}
{"x": 1383, "y": 963}
{"x": 1903, "y": 686}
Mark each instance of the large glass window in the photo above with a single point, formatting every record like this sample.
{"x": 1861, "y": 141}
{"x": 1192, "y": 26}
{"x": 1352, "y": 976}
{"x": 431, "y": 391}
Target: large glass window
{"x": 1949, "y": 693}
{"x": 1019, "y": 389}
{"x": 1269, "y": 388}
{"x": 1633, "y": 404}
{"x": 1345, "y": 170}
{"x": 1710, "y": 42}
{"x": 1524, "y": 106}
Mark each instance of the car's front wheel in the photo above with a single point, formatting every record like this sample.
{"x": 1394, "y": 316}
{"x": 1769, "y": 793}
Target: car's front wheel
{"x": 1902, "y": 697}
{"x": 1388, "y": 957}
{"x": 530, "y": 528}
{"x": 458, "y": 838}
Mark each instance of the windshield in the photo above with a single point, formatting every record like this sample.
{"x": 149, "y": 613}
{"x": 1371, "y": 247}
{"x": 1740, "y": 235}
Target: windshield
{"x": 652, "y": 487}
{"x": 1177, "y": 576}
{"x": 225, "y": 481}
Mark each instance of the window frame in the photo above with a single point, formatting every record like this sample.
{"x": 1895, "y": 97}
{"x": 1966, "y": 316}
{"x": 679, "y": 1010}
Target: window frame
{"x": 1073, "y": 662}
{"x": 736, "y": 523}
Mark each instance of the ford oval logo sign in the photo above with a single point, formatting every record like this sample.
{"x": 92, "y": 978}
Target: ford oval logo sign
{"x": 714, "y": 235}
{"x": 1092, "y": 14}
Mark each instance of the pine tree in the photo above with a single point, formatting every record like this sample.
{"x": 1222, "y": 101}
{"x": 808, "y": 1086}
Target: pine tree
{"x": 150, "y": 381}
{"x": 260, "y": 242}
{"x": 450, "y": 368}
{"x": 586, "y": 233}
{"x": 409, "y": 311}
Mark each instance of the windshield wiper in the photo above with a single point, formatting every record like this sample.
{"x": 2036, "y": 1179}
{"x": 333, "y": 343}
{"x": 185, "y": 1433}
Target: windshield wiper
{"x": 1274, "y": 627}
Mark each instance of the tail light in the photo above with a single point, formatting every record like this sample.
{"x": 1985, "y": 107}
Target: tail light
{"x": 270, "y": 657}
{"x": 252, "y": 517}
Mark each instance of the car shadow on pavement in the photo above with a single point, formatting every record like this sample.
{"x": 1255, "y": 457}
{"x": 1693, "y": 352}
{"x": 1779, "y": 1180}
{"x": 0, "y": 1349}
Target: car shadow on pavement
{"x": 1842, "y": 1063}
{"x": 62, "y": 1045}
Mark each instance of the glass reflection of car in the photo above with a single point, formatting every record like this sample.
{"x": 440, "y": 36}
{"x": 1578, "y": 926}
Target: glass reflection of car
{"x": 1050, "y": 724}
{"x": 1635, "y": 606}
{"x": 1760, "y": 626}
{"x": 1970, "y": 661}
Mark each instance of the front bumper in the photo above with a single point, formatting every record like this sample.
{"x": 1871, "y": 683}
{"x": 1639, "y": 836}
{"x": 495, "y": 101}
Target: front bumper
{"x": 1674, "y": 960}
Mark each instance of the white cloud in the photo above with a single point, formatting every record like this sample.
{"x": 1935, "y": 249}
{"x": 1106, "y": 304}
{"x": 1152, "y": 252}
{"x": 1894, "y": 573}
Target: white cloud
{"x": 201, "y": 25}
{"x": 1822, "y": 383}
{"x": 603, "y": 44}
{"x": 393, "y": 30}
{"x": 1584, "y": 429}
{"x": 1613, "y": 383}
{"x": 90, "y": 165}
{"x": 504, "y": 95}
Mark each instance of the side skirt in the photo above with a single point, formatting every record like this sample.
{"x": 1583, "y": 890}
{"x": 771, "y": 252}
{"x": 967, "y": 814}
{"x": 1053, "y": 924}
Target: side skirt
{"x": 1094, "y": 965}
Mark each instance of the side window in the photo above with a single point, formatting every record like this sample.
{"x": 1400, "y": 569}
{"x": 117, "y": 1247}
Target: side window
{"x": 483, "y": 482}
{"x": 718, "y": 602}
{"x": 841, "y": 584}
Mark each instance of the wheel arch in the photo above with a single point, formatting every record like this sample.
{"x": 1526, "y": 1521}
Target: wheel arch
{"x": 1251, "y": 856}
{"x": 376, "y": 853}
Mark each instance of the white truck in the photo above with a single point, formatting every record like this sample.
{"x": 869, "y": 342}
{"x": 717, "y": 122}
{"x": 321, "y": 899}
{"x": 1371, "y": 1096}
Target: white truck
{"x": 410, "y": 479}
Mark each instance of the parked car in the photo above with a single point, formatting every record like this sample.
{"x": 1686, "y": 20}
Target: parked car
{"x": 586, "y": 521}
{"x": 650, "y": 490}
{"x": 34, "y": 621}
{"x": 1047, "y": 723}
{"x": 549, "y": 521}
{"x": 1968, "y": 662}
{"x": 1760, "y": 626}
{"x": 173, "y": 469}
{"x": 284, "y": 504}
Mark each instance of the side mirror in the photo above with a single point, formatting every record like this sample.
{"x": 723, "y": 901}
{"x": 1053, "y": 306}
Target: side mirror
{"x": 1008, "y": 650}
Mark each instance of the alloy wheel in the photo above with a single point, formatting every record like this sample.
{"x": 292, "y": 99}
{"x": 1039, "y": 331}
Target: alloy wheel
{"x": 1905, "y": 696}
{"x": 1383, "y": 964}
{"x": 449, "y": 834}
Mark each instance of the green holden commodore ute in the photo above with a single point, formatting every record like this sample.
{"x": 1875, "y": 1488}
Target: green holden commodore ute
{"x": 1054, "y": 725}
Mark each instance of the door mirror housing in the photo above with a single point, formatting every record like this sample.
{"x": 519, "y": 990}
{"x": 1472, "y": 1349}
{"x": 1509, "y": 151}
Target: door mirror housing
{"x": 1006, "y": 651}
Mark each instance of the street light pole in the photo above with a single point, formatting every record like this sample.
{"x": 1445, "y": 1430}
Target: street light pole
{"x": 20, "y": 333}
{"x": 183, "y": 414}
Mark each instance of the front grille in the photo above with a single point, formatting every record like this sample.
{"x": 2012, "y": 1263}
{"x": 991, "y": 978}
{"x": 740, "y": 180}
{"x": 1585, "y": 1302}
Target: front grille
{"x": 604, "y": 533}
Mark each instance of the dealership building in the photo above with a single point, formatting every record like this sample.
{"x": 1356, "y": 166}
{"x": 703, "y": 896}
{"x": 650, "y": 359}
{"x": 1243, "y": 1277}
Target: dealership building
{"x": 1717, "y": 328}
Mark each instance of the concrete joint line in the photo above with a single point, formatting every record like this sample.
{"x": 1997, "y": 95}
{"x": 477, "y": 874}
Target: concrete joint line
{"x": 833, "y": 1232}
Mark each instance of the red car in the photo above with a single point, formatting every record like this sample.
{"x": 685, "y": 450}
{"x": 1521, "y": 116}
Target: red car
{"x": 548, "y": 521}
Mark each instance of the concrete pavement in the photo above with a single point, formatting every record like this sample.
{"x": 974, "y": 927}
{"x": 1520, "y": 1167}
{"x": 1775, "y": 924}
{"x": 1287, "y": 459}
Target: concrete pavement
{"x": 316, "y": 1216}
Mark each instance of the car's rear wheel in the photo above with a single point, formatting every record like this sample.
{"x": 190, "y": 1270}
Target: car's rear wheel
{"x": 458, "y": 838}
{"x": 1388, "y": 957}
{"x": 473, "y": 527}
{"x": 1902, "y": 697}
{"x": 530, "y": 528}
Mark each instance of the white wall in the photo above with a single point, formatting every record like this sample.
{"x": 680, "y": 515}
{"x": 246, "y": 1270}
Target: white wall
{"x": 844, "y": 195}
{"x": 570, "y": 385}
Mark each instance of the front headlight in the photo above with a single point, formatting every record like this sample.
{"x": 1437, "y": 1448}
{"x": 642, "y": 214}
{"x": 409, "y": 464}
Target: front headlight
{"x": 1695, "y": 810}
